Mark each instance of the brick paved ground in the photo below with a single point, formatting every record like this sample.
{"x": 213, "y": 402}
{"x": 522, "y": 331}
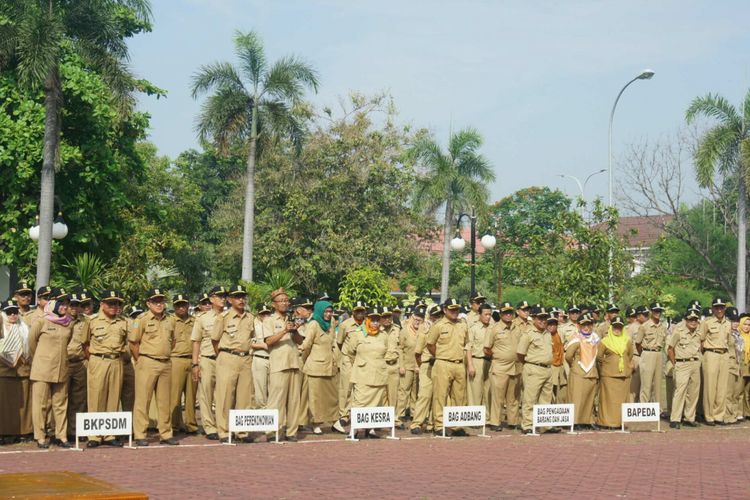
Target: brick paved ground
{"x": 691, "y": 463}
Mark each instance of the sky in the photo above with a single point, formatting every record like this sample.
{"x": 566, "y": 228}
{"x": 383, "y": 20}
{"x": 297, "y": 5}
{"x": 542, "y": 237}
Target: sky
{"x": 536, "y": 78}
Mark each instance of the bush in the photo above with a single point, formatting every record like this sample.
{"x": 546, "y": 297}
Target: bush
{"x": 365, "y": 284}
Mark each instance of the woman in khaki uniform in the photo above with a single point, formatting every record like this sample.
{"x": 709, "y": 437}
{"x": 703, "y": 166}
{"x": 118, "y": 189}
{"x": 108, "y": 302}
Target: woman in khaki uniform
{"x": 615, "y": 358}
{"x": 745, "y": 363}
{"x": 580, "y": 353}
{"x": 407, "y": 388}
{"x": 15, "y": 406}
{"x": 48, "y": 344}
{"x": 372, "y": 349}
{"x": 734, "y": 380}
{"x": 320, "y": 366}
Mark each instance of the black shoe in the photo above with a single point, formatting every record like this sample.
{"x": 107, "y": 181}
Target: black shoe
{"x": 213, "y": 436}
{"x": 416, "y": 431}
{"x": 43, "y": 445}
{"x": 438, "y": 433}
{"x": 224, "y": 440}
{"x": 496, "y": 428}
{"x": 721, "y": 422}
{"x": 170, "y": 441}
{"x": 248, "y": 439}
{"x": 674, "y": 425}
{"x": 710, "y": 424}
{"x": 92, "y": 444}
{"x": 553, "y": 430}
{"x": 64, "y": 444}
{"x": 141, "y": 442}
{"x": 690, "y": 424}
{"x": 513, "y": 427}
{"x": 190, "y": 433}
{"x": 664, "y": 415}
{"x": 459, "y": 433}
{"x": 525, "y": 431}
{"x": 291, "y": 439}
{"x": 113, "y": 442}
{"x": 594, "y": 427}
{"x": 401, "y": 426}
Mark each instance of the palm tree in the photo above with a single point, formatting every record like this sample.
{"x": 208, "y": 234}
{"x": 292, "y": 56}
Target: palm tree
{"x": 455, "y": 179}
{"x": 726, "y": 148}
{"x": 34, "y": 38}
{"x": 249, "y": 101}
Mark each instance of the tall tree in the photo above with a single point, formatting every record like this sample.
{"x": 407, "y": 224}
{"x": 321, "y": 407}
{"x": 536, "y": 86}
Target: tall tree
{"x": 726, "y": 148}
{"x": 455, "y": 180}
{"x": 250, "y": 101}
{"x": 34, "y": 37}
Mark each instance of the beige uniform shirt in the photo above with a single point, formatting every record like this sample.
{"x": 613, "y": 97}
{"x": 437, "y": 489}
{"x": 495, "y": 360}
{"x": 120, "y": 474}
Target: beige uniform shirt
{"x": 31, "y": 316}
{"x": 48, "y": 344}
{"x": 284, "y": 354}
{"x": 155, "y": 335}
{"x": 318, "y": 348}
{"x": 449, "y": 338}
{"x": 348, "y": 331}
{"x": 394, "y": 331}
{"x": 651, "y": 335}
{"x": 104, "y": 335}
{"x": 471, "y": 318}
{"x": 536, "y": 346}
{"x": 478, "y": 334}
{"x": 421, "y": 345}
{"x": 714, "y": 333}
{"x": 371, "y": 354}
{"x": 566, "y": 331}
{"x": 503, "y": 340}
{"x": 183, "y": 329}
{"x": 234, "y": 331}
{"x": 686, "y": 344}
{"x": 407, "y": 343}
{"x": 602, "y": 329}
{"x": 75, "y": 346}
{"x": 202, "y": 329}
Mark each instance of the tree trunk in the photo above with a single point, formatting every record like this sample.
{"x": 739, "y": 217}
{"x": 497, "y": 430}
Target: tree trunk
{"x": 49, "y": 160}
{"x": 447, "y": 227}
{"x": 741, "y": 293}
{"x": 249, "y": 222}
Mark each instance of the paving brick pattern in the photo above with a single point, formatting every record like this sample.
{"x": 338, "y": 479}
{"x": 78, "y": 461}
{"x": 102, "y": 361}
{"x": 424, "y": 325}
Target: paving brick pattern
{"x": 690, "y": 463}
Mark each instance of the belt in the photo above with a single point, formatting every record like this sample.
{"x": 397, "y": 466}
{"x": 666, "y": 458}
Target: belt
{"x": 652, "y": 350}
{"x": 537, "y": 364}
{"x": 456, "y": 361}
{"x": 106, "y": 356}
{"x": 155, "y": 359}
{"x": 241, "y": 354}
{"x": 390, "y": 362}
{"x": 209, "y": 357}
{"x": 717, "y": 351}
{"x": 186, "y": 356}
{"x": 685, "y": 360}
{"x": 482, "y": 357}
{"x": 261, "y": 356}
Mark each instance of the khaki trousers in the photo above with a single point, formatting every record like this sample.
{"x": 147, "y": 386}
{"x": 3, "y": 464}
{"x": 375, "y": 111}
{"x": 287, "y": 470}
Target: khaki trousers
{"x": 76, "y": 393}
{"x": 345, "y": 388}
{"x": 261, "y": 374}
{"x": 206, "y": 389}
{"x": 283, "y": 394}
{"x": 504, "y": 398}
{"x": 182, "y": 384}
{"x": 152, "y": 375}
{"x": 234, "y": 382}
{"x": 715, "y": 374}
{"x": 687, "y": 386}
{"x": 41, "y": 395}
{"x": 448, "y": 380}
{"x": 650, "y": 368}
{"x": 734, "y": 406}
{"x": 478, "y": 387}
{"x": 635, "y": 380}
{"x": 392, "y": 385}
{"x": 407, "y": 394}
{"x": 127, "y": 395}
{"x": 537, "y": 389}
{"x": 423, "y": 408}
{"x": 746, "y": 396}
{"x": 304, "y": 401}
{"x": 104, "y": 382}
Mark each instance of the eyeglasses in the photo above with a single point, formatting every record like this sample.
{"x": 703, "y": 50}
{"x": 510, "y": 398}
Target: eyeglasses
{"x": 11, "y": 313}
{"x": 283, "y": 301}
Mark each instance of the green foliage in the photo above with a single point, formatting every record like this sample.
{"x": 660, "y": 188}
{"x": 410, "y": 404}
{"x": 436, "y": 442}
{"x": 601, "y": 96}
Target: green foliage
{"x": 367, "y": 284}
{"x": 85, "y": 270}
{"x": 515, "y": 294}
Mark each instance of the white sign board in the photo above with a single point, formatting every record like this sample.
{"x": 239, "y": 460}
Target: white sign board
{"x": 641, "y": 412}
{"x": 553, "y": 416}
{"x": 375, "y": 417}
{"x": 116, "y": 423}
{"x": 464, "y": 416}
{"x": 254, "y": 421}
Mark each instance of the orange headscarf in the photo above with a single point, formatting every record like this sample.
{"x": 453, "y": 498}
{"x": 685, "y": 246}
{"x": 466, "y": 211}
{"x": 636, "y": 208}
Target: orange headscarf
{"x": 371, "y": 329}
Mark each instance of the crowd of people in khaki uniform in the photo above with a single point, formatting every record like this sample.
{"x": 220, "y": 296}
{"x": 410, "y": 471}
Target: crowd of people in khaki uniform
{"x": 313, "y": 363}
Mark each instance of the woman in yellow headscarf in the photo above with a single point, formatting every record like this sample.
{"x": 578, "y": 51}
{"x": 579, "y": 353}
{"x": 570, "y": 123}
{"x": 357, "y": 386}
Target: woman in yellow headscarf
{"x": 615, "y": 359}
{"x": 745, "y": 364}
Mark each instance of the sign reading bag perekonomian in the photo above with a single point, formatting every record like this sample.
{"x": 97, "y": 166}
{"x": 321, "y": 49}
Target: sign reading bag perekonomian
{"x": 254, "y": 420}
{"x": 118, "y": 423}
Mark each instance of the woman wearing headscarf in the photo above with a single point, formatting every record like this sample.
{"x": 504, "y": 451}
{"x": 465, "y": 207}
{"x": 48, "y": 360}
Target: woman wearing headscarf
{"x": 580, "y": 353}
{"x": 14, "y": 353}
{"x": 372, "y": 349}
{"x": 615, "y": 359}
{"x": 744, "y": 359}
{"x": 735, "y": 350}
{"x": 48, "y": 343}
{"x": 318, "y": 351}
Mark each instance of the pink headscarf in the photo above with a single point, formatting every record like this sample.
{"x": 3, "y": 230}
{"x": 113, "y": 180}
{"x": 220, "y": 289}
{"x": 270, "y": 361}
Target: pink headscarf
{"x": 50, "y": 314}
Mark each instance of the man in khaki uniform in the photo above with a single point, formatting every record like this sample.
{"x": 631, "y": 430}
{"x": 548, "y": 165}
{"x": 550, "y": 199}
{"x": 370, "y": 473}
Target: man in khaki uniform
{"x": 478, "y": 381}
{"x": 181, "y": 357}
{"x": 522, "y": 321}
{"x": 232, "y": 336}
{"x": 261, "y": 363}
{"x": 151, "y": 340}
{"x": 392, "y": 330}
{"x": 348, "y": 328}
{"x": 634, "y": 321}
{"x": 714, "y": 332}
{"x": 31, "y": 316}
{"x": 204, "y": 360}
{"x": 602, "y": 329}
{"x": 285, "y": 382}
{"x": 408, "y": 369}
{"x": 501, "y": 344}
{"x": 447, "y": 341}
{"x": 684, "y": 352}
{"x": 475, "y": 301}
{"x": 425, "y": 362}
{"x": 568, "y": 328}
{"x": 535, "y": 352}
{"x": 76, "y": 361}
{"x": 303, "y": 308}
{"x": 649, "y": 342}
{"x": 103, "y": 338}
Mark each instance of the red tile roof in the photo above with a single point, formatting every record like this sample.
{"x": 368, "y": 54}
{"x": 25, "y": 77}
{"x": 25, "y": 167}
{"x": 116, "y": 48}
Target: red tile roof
{"x": 642, "y": 231}
{"x": 436, "y": 245}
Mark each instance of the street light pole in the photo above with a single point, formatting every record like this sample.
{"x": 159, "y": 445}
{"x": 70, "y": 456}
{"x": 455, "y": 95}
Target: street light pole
{"x": 646, "y": 74}
{"x": 458, "y": 244}
{"x": 582, "y": 187}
